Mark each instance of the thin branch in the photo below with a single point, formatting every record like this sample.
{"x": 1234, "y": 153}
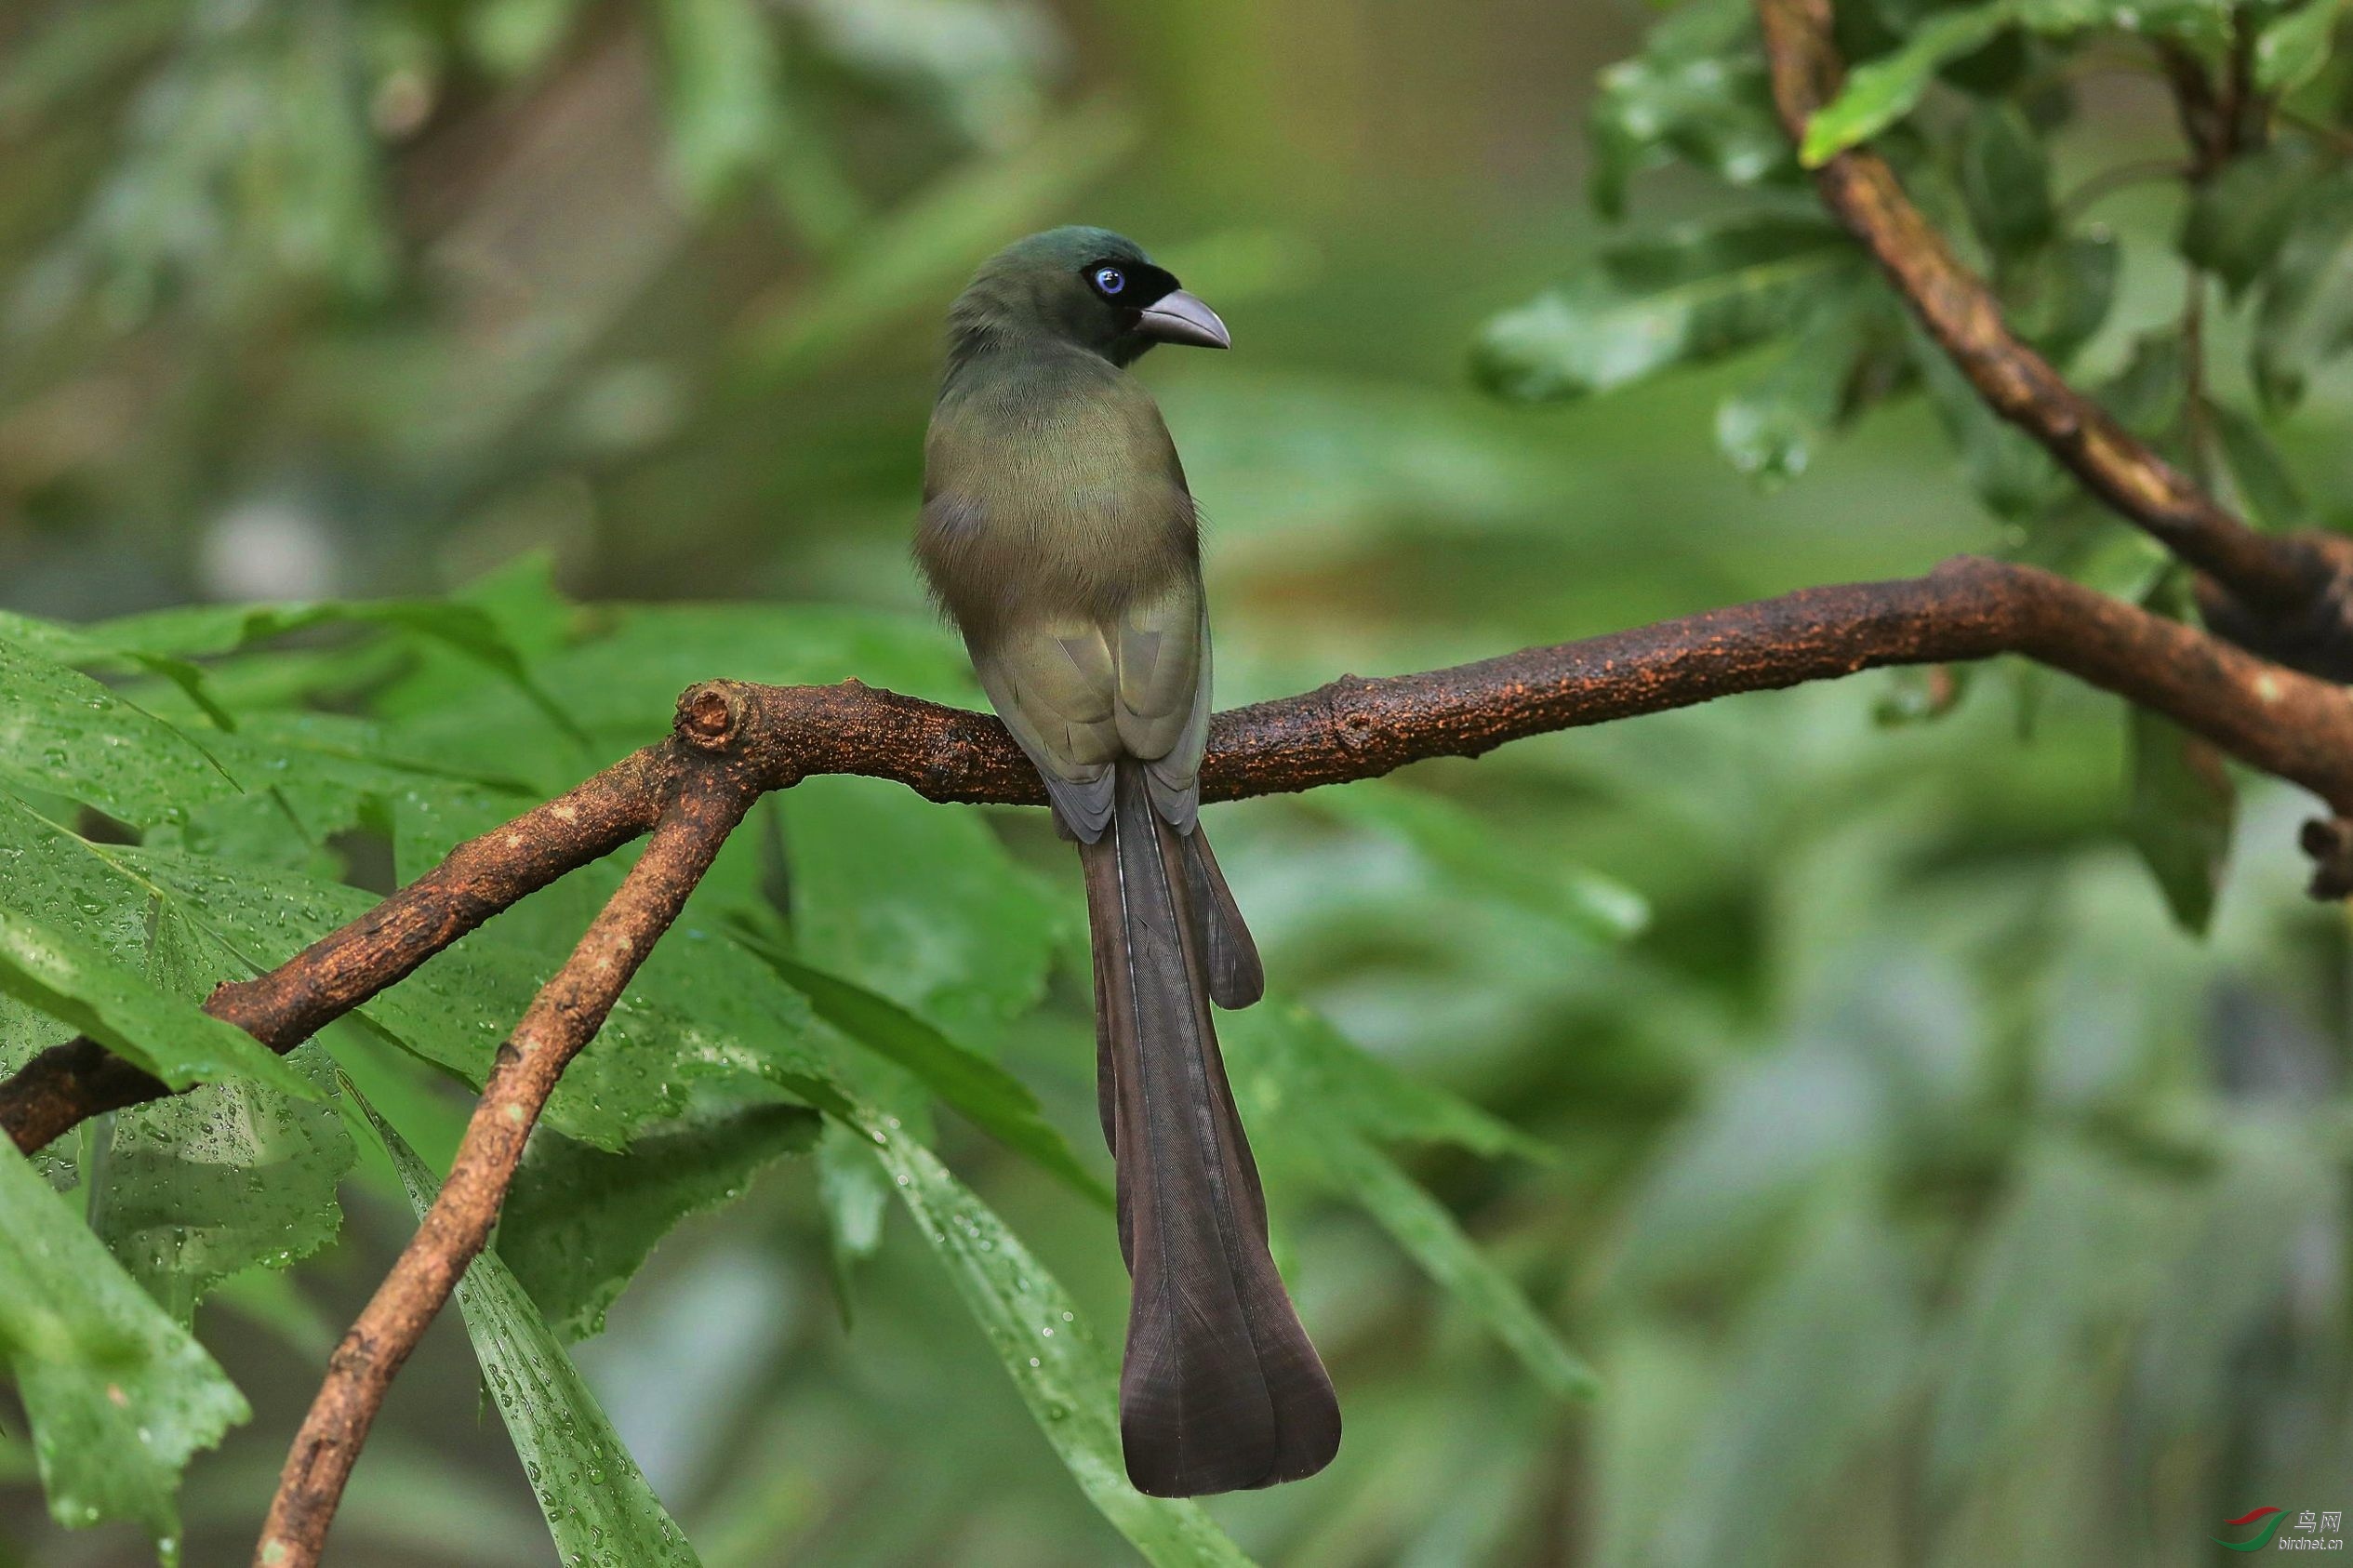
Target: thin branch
{"x": 2275, "y": 576}
{"x": 768, "y": 737}
{"x": 66, "y": 1084}
{"x": 564, "y": 1017}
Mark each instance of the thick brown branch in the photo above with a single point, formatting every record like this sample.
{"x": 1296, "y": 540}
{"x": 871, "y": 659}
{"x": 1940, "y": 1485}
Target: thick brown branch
{"x": 2280, "y": 576}
{"x": 769, "y": 736}
{"x": 562, "y": 1018}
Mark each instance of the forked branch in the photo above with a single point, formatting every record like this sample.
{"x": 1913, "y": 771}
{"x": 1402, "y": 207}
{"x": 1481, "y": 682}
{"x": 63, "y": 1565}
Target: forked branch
{"x": 734, "y": 741}
{"x": 2286, "y": 595}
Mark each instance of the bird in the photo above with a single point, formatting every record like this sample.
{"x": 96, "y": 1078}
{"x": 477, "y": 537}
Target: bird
{"x": 1059, "y": 535}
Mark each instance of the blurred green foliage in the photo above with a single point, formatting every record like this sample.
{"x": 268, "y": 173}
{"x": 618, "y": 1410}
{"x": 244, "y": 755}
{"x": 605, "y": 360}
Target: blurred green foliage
{"x": 391, "y": 392}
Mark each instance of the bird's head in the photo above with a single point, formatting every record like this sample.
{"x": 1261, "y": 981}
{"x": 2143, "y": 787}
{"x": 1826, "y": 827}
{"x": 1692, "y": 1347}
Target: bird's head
{"x": 1085, "y": 286}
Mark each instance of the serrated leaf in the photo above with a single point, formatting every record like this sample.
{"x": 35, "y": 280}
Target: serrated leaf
{"x": 190, "y": 1192}
{"x": 199, "y": 631}
{"x": 1060, "y": 1372}
{"x": 993, "y": 1098}
{"x": 64, "y": 733}
{"x": 2293, "y": 46}
{"x": 73, "y": 981}
{"x": 119, "y": 1395}
{"x": 2304, "y": 314}
{"x": 1883, "y": 91}
{"x": 2005, "y": 178}
{"x": 597, "y": 1504}
{"x": 1684, "y": 297}
{"x": 2268, "y": 491}
{"x": 581, "y": 1222}
{"x": 2239, "y": 218}
{"x": 917, "y": 901}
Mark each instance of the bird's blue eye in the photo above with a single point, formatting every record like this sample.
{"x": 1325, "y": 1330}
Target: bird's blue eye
{"x": 1110, "y": 280}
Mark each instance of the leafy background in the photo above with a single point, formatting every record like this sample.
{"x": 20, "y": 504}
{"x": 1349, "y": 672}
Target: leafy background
{"x": 1805, "y": 1130}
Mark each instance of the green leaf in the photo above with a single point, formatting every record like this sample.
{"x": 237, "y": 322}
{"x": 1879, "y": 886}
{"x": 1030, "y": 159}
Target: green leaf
{"x": 917, "y": 901}
{"x": 2304, "y": 315}
{"x": 1770, "y": 428}
{"x": 72, "y": 981}
{"x": 1297, "y": 1063}
{"x": 2009, "y": 470}
{"x": 2149, "y": 395}
{"x": 1420, "y": 1224}
{"x": 2293, "y": 46}
{"x": 598, "y": 1507}
{"x": 192, "y": 1190}
{"x": 1578, "y": 902}
{"x": 2060, "y": 295}
{"x": 199, "y": 631}
{"x": 2183, "y": 806}
{"x": 118, "y": 1394}
{"x": 2268, "y": 491}
{"x": 61, "y": 732}
{"x": 2238, "y": 218}
{"x": 1317, "y": 1101}
{"x": 1692, "y": 295}
{"x": 2005, "y": 178}
{"x": 581, "y": 1222}
{"x": 1060, "y": 1372}
{"x": 721, "y": 81}
{"x": 1883, "y": 91}
{"x": 995, "y": 1100}
{"x": 855, "y": 1197}
{"x": 2058, "y": 1281}
{"x": 1698, "y": 92}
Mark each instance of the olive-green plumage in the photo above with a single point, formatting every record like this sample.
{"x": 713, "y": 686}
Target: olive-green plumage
{"x": 1059, "y": 534}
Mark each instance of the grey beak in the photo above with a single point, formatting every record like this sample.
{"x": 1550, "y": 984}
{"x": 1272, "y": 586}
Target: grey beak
{"x": 1180, "y": 318}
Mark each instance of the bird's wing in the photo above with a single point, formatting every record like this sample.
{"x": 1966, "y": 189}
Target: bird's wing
{"x": 1162, "y": 646}
{"x": 1054, "y": 682}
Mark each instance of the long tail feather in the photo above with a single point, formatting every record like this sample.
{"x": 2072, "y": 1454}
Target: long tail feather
{"x": 1221, "y": 1390}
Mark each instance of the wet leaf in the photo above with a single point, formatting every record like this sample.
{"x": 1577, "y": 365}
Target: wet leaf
{"x": 1063, "y": 1374}
{"x": 581, "y": 1222}
{"x": 119, "y": 1395}
{"x": 598, "y": 1507}
{"x": 62, "y": 732}
{"x": 1684, "y": 297}
{"x": 1881, "y": 92}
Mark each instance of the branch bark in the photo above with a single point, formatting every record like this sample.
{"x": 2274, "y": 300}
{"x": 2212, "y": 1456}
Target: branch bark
{"x": 2291, "y": 588}
{"x": 768, "y": 738}
{"x": 564, "y": 1017}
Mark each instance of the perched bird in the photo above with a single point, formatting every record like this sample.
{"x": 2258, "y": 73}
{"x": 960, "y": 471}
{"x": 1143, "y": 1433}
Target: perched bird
{"x": 1059, "y": 535}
